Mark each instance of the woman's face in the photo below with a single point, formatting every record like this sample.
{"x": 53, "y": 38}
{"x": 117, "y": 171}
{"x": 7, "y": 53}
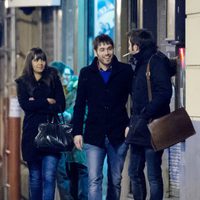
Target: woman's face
{"x": 38, "y": 65}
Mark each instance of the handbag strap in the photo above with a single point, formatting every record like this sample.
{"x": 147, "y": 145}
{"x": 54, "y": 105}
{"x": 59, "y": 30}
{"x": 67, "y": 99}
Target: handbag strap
{"x": 56, "y": 119}
{"x": 148, "y": 75}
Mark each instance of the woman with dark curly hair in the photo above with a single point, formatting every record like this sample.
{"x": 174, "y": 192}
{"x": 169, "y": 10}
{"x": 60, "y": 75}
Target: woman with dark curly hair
{"x": 41, "y": 96}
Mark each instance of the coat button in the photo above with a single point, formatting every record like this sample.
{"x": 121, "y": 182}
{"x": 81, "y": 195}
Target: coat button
{"x": 106, "y": 107}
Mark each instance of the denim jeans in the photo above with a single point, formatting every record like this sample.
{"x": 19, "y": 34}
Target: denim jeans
{"x": 95, "y": 160}
{"x": 72, "y": 181}
{"x": 140, "y": 155}
{"x": 42, "y": 178}
{"x": 79, "y": 181}
{"x": 63, "y": 179}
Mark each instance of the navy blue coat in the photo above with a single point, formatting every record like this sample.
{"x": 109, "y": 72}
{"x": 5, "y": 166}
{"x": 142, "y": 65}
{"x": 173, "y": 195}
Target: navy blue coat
{"x": 142, "y": 109}
{"x": 37, "y": 111}
{"x": 106, "y": 102}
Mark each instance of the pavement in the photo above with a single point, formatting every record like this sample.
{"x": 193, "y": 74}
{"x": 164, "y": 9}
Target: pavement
{"x": 172, "y": 198}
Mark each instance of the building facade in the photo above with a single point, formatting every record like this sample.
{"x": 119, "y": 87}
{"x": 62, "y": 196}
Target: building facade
{"x": 65, "y": 31}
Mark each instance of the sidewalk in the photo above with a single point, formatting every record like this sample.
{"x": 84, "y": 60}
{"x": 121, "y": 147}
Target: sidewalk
{"x": 173, "y": 198}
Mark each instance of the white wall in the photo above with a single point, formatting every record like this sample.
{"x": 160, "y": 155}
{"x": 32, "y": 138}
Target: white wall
{"x": 191, "y": 159}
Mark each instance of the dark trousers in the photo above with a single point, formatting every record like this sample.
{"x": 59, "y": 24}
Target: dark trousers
{"x": 139, "y": 156}
{"x": 72, "y": 181}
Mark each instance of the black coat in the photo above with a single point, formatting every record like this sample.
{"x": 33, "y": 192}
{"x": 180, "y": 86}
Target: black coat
{"x": 142, "y": 109}
{"x": 37, "y": 111}
{"x": 106, "y": 102}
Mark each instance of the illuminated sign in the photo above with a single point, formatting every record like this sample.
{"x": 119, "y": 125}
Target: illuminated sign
{"x": 30, "y": 3}
{"x": 182, "y": 57}
{"x": 104, "y": 17}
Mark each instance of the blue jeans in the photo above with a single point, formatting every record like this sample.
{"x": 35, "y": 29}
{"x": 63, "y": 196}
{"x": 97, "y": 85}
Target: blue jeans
{"x": 79, "y": 181}
{"x": 140, "y": 155}
{"x": 95, "y": 159}
{"x": 42, "y": 178}
{"x": 72, "y": 180}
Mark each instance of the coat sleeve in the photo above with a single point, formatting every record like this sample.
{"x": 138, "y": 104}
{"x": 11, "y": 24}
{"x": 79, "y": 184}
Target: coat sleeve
{"x": 59, "y": 96}
{"x": 41, "y": 105}
{"x": 130, "y": 82}
{"x": 80, "y": 105}
{"x": 161, "y": 88}
{"x": 25, "y": 103}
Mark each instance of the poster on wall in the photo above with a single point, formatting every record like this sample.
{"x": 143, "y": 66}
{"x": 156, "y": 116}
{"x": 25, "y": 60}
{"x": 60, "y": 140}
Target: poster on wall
{"x": 104, "y": 17}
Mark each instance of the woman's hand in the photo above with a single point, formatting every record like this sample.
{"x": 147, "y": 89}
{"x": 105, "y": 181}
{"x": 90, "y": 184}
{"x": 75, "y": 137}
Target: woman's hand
{"x": 126, "y": 131}
{"x": 51, "y": 100}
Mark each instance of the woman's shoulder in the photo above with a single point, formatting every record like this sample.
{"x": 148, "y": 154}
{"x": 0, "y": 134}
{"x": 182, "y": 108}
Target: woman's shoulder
{"x": 52, "y": 71}
{"x": 22, "y": 79}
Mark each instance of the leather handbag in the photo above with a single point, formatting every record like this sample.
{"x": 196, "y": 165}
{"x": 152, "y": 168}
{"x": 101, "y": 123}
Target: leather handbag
{"x": 170, "y": 129}
{"x": 54, "y": 136}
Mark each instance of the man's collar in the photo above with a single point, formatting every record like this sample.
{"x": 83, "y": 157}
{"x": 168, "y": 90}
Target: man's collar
{"x": 104, "y": 70}
{"x": 107, "y": 70}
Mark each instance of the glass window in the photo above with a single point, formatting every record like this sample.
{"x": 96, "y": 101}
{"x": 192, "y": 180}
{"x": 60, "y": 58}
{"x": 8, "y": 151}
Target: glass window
{"x": 101, "y": 19}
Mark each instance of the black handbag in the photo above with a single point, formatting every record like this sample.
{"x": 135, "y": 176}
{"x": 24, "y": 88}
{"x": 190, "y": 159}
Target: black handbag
{"x": 54, "y": 136}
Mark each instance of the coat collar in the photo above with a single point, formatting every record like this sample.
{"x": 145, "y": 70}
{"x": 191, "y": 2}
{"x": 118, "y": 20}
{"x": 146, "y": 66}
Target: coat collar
{"x": 115, "y": 65}
{"x": 143, "y": 56}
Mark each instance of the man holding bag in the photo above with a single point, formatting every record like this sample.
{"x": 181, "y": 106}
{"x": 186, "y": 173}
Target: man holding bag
{"x": 143, "y": 50}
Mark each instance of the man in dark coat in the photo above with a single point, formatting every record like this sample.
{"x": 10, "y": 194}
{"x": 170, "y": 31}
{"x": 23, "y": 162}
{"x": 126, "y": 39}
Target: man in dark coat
{"x": 103, "y": 87}
{"x": 144, "y": 50}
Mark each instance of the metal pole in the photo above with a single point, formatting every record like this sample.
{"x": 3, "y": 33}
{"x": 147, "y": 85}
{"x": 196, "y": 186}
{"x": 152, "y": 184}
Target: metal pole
{"x": 118, "y": 13}
{"x": 5, "y": 107}
{"x": 13, "y": 150}
{"x": 5, "y": 158}
{"x": 12, "y": 143}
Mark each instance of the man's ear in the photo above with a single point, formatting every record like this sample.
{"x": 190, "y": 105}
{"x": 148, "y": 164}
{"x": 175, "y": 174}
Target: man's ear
{"x": 136, "y": 48}
{"x": 95, "y": 53}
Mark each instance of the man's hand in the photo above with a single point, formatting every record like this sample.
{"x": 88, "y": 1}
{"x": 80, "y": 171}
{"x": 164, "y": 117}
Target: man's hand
{"x": 51, "y": 100}
{"x": 31, "y": 99}
{"x": 126, "y": 131}
{"x": 78, "y": 141}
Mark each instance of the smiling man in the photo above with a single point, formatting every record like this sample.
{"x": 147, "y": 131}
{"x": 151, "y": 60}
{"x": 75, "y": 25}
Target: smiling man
{"x": 103, "y": 87}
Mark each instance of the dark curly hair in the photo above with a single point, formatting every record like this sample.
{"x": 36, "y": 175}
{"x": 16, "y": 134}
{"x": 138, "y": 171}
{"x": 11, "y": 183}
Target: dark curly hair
{"x": 103, "y": 38}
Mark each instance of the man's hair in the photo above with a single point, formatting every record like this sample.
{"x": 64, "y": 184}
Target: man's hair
{"x": 103, "y": 38}
{"x": 142, "y": 38}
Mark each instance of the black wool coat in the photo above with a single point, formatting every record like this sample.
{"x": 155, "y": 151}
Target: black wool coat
{"x": 142, "y": 109}
{"x": 37, "y": 111}
{"x": 106, "y": 103}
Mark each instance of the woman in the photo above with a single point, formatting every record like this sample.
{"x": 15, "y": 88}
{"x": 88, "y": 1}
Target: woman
{"x": 41, "y": 96}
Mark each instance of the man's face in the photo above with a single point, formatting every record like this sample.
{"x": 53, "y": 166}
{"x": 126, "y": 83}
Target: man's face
{"x": 104, "y": 53}
{"x": 133, "y": 48}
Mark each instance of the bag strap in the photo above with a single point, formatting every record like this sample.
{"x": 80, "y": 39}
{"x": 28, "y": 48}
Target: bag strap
{"x": 148, "y": 75}
{"x": 56, "y": 119}
{"x": 62, "y": 117}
